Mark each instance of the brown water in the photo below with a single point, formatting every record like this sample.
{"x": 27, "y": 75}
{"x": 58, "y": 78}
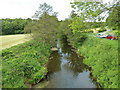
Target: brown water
{"x": 67, "y": 70}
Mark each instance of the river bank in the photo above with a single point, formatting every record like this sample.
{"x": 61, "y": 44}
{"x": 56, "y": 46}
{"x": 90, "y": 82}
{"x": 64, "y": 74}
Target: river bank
{"x": 67, "y": 70}
{"x": 24, "y": 64}
{"x": 102, "y": 56}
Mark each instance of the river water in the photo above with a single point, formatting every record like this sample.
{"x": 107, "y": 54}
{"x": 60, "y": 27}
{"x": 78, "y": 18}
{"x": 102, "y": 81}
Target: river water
{"x": 67, "y": 70}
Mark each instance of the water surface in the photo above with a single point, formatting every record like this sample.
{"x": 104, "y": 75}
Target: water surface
{"x": 67, "y": 70}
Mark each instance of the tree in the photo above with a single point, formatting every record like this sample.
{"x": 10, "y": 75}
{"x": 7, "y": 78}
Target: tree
{"x": 45, "y": 28}
{"x": 98, "y": 12}
{"x": 88, "y": 15}
{"x": 13, "y": 26}
{"x": 64, "y": 28}
{"x": 113, "y": 20}
{"x": 73, "y": 14}
{"x": 44, "y": 8}
{"x": 88, "y": 11}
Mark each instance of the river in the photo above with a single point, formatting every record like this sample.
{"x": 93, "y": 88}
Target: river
{"x": 67, "y": 70}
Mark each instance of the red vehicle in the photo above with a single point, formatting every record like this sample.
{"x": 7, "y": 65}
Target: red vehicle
{"x": 111, "y": 37}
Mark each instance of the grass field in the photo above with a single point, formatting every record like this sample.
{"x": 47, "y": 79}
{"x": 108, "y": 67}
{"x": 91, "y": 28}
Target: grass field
{"x": 8, "y": 41}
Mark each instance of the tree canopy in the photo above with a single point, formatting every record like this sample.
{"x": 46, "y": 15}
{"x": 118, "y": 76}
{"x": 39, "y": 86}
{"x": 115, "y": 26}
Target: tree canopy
{"x": 44, "y": 8}
{"x": 45, "y": 28}
{"x": 13, "y": 26}
{"x": 113, "y": 19}
{"x": 93, "y": 14}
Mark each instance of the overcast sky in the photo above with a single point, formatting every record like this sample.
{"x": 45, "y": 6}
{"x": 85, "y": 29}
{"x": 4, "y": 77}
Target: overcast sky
{"x": 27, "y": 8}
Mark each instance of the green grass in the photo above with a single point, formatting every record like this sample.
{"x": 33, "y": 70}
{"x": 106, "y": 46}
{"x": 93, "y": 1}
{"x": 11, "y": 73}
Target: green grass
{"x": 8, "y": 41}
{"x": 23, "y": 64}
{"x": 102, "y": 56}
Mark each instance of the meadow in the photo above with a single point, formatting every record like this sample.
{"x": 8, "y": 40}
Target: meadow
{"x": 10, "y": 40}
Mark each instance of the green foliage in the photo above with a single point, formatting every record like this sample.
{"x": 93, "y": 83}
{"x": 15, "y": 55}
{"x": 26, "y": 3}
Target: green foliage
{"x": 102, "y": 56}
{"x": 64, "y": 27}
{"x": 88, "y": 11}
{"x": 113, "y": 20}
{"x": 44, "y": 29}
{"x": 38, "y": 75}
{"x": 93, "y": 13}
{"x": 44, "y": 9}
{"x": 78, "y": 25}
{"x": 73, "y": 14}
{"x": 13, "y": 26}
{"x": 77, "y": 39}
{"x": 24, "y": 63}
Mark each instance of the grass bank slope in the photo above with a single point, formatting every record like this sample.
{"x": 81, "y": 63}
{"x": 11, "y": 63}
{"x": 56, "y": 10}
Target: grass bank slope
{"x": 23, "y": 65}
{"x": 102, "y": 56}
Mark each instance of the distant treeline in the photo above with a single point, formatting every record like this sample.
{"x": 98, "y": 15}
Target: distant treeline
{"x": 13, "y": 26}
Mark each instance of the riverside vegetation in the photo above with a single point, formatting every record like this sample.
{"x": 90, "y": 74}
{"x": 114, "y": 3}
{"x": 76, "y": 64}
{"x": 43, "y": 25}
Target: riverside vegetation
{"x": 24, "y": 64}
{"x": 13, "y": 26}
{"x": 102, "y": 56}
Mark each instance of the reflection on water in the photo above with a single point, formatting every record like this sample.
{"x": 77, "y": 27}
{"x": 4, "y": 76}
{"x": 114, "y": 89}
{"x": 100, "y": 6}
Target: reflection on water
{"x": 66, "y": 69}
{"x": 54, "y": 61}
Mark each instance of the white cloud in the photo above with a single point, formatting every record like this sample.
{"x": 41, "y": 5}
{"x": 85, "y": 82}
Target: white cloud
{"x": 27, "y": 8}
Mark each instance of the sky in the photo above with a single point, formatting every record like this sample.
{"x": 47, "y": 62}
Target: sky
{"x": 26, "y": 8}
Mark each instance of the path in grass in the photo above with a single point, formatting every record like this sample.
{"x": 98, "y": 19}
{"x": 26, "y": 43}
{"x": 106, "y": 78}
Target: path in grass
{"x": 8, "y": 41}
